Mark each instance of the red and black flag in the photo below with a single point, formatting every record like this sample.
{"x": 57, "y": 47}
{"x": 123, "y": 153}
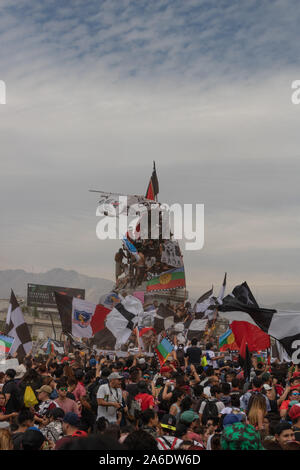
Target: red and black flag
{"x": 153, "y": 187}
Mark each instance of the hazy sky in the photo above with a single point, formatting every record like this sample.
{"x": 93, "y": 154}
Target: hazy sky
{"x": 98, "y": 89}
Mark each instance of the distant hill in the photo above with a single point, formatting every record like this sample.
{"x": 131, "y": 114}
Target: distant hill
{"x": 17, "y": 279}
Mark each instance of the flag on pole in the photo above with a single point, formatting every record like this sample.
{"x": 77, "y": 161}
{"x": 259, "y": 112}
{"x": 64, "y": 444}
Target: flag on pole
{"x": 256, "y": 339}
{"x": 203, "y": 302}
{"x": 163, "y": 350}
{"x": 5, "y": 344}
{"x": 153, "y": 186}
{"x": 17, "y": 328}
{"x": 123, "y": 318}
{"x": 227, "y": 341}
{"x": 79, "y": 317}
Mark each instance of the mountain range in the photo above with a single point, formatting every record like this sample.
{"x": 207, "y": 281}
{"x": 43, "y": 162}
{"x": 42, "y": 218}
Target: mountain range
{"x": 17, "y": 279}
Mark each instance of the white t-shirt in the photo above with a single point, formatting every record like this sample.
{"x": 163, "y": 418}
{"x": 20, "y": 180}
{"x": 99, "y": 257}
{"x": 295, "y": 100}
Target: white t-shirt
{"x": 109, "y": 394}
{"x": 209, "y": 361}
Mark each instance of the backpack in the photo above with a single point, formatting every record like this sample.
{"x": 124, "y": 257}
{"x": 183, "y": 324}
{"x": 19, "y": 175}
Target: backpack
{"x": 210, "y": 411}
{"x": 29, "y": 397}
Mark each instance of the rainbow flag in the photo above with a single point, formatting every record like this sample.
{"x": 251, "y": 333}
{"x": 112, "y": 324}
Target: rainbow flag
{"x": 227, "y": 341}
{"x": 5, "y": 344}
{"x": 171, "y": 279}
{"x": 163, "y": 350}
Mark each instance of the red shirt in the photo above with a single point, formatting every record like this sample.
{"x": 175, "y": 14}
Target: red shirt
{"x": 79, "y": 391}
{"x": 145, "y": 400}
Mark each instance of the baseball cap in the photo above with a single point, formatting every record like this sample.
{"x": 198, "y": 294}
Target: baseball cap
{"x": 188, "y": 416}
{"x": 114, "y": 375}
{"x": 231, "y": 419}
{"x": 93, "y": 362}
{"x": 72, "y": 419}
{"x": 294, "y": 412}
{"x": 169, "y": 422}
{"x": 45, "y": 388}
{"x": 165, "y": 369}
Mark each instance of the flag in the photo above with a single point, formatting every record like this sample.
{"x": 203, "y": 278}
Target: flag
{"x": 115, "y": 204}
{"x": 17, "y": 328}
{"x": 5, "y": 344}
{"x": 163, "y": 350}
{"x": 212, "y": 310}
{"x": 51, "y": 345}
{"x": 203, "y": 302}
{"x": 222, "y": 290}
{"x": 227, "y": 341}
{"x": 109, "y": 300}
{"x": 171, "y": 279}
{"x": 131, "y": 248}
{"x": 79, "y": 317}
{"x": 122, "y": 319}
{"x": 171, "y": 254}
{"x": 153, "y": 186}
{"x": 256, "y": 339}
{"x": 281, "y": 325}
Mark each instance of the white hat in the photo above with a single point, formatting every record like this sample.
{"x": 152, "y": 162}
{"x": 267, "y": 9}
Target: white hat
{"x": 267, "y": 387}
{"x": 20, "y": 371}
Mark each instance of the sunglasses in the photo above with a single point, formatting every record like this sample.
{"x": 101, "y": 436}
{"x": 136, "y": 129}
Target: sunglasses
{"x": 146, "y": 377}
{"x": 64, "y": 389}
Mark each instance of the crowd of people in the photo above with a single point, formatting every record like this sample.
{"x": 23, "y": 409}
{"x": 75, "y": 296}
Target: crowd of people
{"x": 153, "y": 257}
{"x": 87, "y": 401}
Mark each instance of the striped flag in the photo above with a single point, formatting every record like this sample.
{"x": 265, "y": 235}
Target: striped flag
{"x": 171, "y": 279}
{"x": 123, "y": 318}
{"x": 227, "y": 341}
{"x": 5, "y": 344}
{"x": 163, "y": 350}
{"x": 17, "y": 328}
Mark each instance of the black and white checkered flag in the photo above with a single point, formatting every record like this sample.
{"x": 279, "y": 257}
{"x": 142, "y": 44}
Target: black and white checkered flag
{"x": 18, "y": 329}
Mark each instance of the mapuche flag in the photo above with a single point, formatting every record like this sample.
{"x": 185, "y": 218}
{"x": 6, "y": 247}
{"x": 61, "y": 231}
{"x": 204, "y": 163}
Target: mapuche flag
{"x": 17, "y": 328}
{"x": 227, "y": 341}
{"x": 153, "y": 187}
{"x": 5, "y": 344}
{"x": 163, "y": 350}
{"x": 171, "y": 279}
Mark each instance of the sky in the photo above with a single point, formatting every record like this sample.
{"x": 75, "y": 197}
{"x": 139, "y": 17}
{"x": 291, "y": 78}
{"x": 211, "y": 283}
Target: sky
{"x": 97, "y": 90}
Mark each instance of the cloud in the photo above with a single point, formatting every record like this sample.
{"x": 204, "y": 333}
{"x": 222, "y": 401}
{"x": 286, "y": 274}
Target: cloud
{"x": 97, "y": 90}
